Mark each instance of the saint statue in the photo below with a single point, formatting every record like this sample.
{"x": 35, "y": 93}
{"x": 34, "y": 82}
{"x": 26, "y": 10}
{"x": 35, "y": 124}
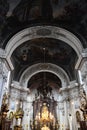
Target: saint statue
{"x": 83, "y": 106}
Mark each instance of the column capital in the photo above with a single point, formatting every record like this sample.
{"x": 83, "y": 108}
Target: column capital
{"x": 82, "y": 58}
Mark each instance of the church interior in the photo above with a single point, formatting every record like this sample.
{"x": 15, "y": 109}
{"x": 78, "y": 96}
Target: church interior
{"x": 43, "y": 65}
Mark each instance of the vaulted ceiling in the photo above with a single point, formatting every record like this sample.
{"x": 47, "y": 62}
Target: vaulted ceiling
{"x": 44, "y": 50}
{"x": 16, "y": 15}
{"x": 43, "y": 80}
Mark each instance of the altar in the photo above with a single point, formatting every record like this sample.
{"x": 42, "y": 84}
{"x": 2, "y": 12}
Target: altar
{"x": 44, "y": 114}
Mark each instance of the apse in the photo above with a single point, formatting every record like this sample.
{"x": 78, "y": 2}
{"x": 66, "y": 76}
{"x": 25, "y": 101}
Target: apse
{"x": 42, "y": 86}
{"x": 44, "y": 80}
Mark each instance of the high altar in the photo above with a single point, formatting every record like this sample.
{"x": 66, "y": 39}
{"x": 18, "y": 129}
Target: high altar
{"x": 44, "y": 108}
{"x": 44, "y": 114}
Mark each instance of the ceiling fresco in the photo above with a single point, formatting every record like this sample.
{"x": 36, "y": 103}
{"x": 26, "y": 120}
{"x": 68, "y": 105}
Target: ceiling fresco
{"x": 44, "y": 50}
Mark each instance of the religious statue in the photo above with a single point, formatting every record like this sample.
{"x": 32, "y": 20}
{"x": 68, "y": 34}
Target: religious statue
{"x": 19, "y": 113}
{"x": 83, "y": 106}
{"x": 4, "y": 107}
{"x": 78, "y": 116}
{"x": 11, "y": 115}
{"x": 4, "y": 111}
{"x": 44, "y": 89}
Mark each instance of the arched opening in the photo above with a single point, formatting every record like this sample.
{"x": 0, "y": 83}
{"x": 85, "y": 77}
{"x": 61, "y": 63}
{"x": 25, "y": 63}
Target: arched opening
{"x": 32, "y": 52}
{"x": 43, "y": 32}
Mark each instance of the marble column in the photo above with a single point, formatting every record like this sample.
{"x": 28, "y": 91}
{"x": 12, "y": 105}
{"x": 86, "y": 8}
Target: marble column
{"x": 3, "y": 80}
{"x": 72, "y": 109}
{"x": 1, "y": 89}
{"x": 9, "y": 81}
{"x": 66, "y": 115}
{"x": 70, "y": 118}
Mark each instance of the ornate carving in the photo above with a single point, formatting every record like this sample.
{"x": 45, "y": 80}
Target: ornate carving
{"x": 83, "y": 106}
{"x": 78, "y": 116}
{"x": 44, "y": 114}
{"x": 43, "y": 32}
{"x": 44, "y": 66}
{"x": 4, "y": 107}
{"x": 44, "y": 89}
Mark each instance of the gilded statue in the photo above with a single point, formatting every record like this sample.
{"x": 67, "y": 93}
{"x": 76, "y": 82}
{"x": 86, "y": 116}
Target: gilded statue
{"x": 5, "y": 97}
{"x": 11, "y": 115}
{"x": 19, "y": 113}
{"x": 4, "y": 107}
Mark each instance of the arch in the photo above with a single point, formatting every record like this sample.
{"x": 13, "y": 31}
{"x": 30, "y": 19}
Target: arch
{"x": 44, "y": 67}
{"x": 43, "y": 32}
